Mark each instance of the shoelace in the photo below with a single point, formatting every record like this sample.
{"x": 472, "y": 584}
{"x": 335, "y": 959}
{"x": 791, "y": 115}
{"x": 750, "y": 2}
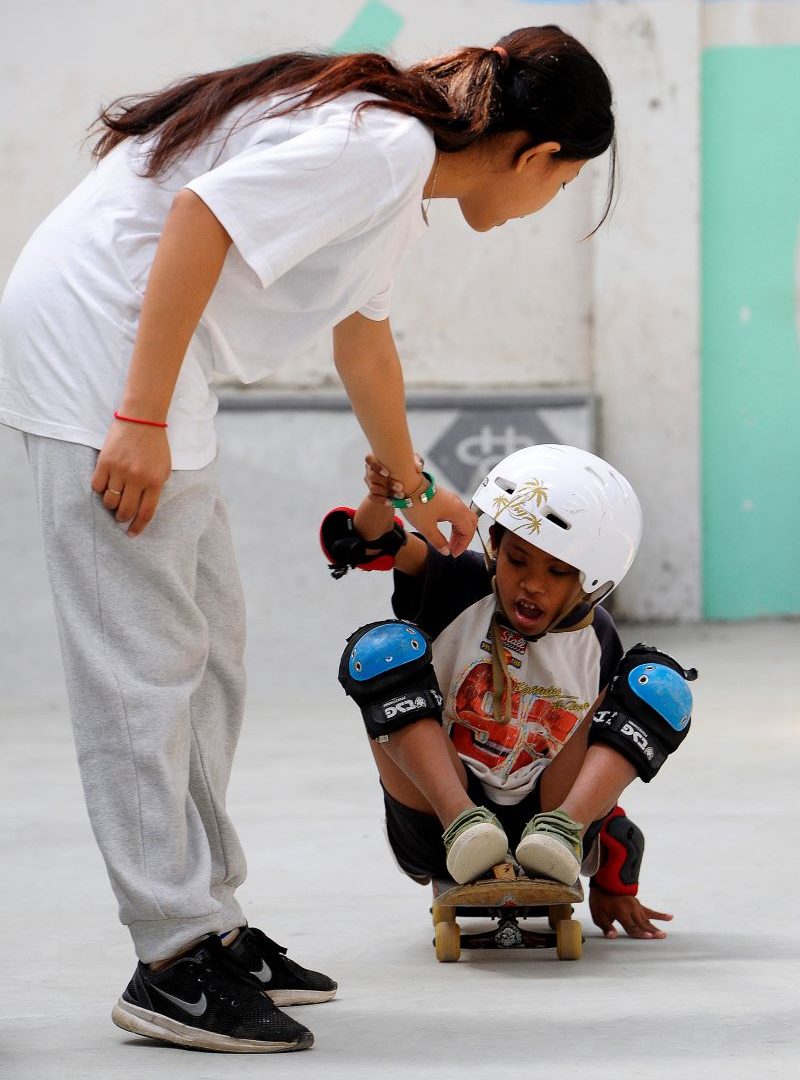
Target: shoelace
{"x": 266, "y": 944}
{"x": 465, "y": 820}
{"x": 560, "y": 825}
{"x": 225, "y": 960}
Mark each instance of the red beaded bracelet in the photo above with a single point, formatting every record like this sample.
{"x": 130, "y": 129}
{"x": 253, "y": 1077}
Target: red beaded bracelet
{"x": 135, "y": 420}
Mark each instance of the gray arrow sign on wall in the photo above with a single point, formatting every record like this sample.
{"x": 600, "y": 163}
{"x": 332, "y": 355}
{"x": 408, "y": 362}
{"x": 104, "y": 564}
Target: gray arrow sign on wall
{"x": 478, "y": 439}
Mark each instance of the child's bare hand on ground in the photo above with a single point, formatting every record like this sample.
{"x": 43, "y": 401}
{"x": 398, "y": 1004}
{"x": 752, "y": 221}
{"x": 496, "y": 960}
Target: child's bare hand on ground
{"x": 634, "y": 918}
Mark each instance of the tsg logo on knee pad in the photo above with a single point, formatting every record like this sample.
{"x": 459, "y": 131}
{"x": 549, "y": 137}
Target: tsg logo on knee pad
{"x": 405, "y": 705}
{"x": 638, "y": 736}
{"x": 386, "y": 668}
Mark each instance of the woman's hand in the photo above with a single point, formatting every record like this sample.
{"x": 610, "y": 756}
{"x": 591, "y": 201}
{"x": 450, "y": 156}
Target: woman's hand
{"x": 632, "y": 915}
{"x": 135, "y": 460}
{"x": 444, "y": 506}
{"x": 131, "y": 470}
{"x": 425, "y": 517}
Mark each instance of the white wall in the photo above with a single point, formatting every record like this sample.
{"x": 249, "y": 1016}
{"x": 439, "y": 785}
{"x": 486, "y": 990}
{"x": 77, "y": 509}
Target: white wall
{"x": 646, "y": 302}
{"x": 529, "y": 305}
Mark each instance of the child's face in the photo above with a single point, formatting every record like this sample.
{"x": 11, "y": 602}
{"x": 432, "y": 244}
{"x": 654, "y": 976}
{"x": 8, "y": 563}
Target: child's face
{"x": 534, "y": 588}
{"x": 517, "y": 187}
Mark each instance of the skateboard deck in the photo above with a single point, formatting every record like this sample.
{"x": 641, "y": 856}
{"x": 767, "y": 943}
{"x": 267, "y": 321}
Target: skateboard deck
{"x": 506, "y": 895}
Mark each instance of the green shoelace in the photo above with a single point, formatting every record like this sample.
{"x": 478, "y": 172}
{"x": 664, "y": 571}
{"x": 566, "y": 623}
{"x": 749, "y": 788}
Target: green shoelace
{"x": 466, "y": 819}
{"x": 560, "y": 825}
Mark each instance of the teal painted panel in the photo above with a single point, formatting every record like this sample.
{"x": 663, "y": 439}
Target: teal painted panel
{"x": 373, "y": 29}
{"x": 750, "y": 353}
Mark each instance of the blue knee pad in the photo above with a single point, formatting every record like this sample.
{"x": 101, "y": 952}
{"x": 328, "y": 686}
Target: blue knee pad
{"x": 647, "y": 711}
{"x": 386, "y": 669}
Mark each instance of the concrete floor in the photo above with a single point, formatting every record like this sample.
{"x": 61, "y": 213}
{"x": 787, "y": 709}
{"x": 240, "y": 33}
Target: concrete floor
{"x": 717, "y": 998}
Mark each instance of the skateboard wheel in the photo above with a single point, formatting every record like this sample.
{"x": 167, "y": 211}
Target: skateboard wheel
{"x": 447, "y": 942}
{"x": 569, "y": 940}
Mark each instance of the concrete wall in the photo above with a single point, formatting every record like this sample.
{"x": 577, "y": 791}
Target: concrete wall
{"x": 645, "y": 291}
{"x": 529, "y": 306}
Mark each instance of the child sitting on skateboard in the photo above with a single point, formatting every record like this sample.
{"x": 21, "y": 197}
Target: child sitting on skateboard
{"x": 502, "y": 712}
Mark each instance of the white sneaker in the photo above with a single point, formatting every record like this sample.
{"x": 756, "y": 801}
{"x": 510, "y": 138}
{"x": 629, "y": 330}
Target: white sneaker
{"x": 475, "y": 842}
{"x": 551, "y": 847}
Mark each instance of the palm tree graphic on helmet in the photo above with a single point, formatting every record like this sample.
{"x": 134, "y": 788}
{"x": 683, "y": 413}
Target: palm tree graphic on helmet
{"x": 516, "y": 505}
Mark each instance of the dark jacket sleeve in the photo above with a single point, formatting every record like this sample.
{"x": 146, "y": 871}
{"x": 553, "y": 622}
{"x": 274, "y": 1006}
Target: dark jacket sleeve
{"x": 611, "y": 651}
{"x": 447, "y": 587}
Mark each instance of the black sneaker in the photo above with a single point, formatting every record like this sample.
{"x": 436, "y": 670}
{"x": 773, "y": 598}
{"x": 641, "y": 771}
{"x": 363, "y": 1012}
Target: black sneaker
{"x": 205, "y": 1000}
{"x": 281, "y": 978}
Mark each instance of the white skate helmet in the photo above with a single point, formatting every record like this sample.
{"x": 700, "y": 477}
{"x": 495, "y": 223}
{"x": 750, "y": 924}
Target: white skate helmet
{"x": 571, "y": 504}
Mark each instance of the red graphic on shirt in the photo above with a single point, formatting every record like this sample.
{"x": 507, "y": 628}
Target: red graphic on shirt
{"x": 537, "y": 728}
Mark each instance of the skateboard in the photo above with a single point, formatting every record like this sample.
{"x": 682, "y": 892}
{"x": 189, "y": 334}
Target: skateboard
{"x": 506, "y": 895}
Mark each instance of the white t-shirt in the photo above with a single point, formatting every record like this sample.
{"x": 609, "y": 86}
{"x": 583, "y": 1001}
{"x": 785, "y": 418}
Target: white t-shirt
{"x": 320, "y": 207}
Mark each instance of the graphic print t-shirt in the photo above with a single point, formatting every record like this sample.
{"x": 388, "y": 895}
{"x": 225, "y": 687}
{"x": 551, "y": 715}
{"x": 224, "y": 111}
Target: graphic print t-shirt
{"x": 552, "y": 682}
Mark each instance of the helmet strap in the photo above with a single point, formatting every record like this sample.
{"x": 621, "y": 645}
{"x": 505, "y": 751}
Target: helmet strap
{"x": 501, "y": 682}
{"x": 557, "y": 626}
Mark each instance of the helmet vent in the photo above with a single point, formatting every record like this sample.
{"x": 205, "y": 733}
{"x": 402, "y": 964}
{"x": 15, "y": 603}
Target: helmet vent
{"x": 505, "y": 485}
{"x": 595, "y": 476}
{"x": 556, "y": 520}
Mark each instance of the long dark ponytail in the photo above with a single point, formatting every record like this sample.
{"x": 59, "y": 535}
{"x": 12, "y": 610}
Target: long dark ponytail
{"x": 537, "y": 79}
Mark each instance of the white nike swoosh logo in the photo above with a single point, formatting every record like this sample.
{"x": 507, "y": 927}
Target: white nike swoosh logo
{"x": 265, "y": 974}
{"x": 193, "y": 1008}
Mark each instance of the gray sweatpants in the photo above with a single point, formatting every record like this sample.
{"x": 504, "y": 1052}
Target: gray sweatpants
{"x": 152, "y": 639}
